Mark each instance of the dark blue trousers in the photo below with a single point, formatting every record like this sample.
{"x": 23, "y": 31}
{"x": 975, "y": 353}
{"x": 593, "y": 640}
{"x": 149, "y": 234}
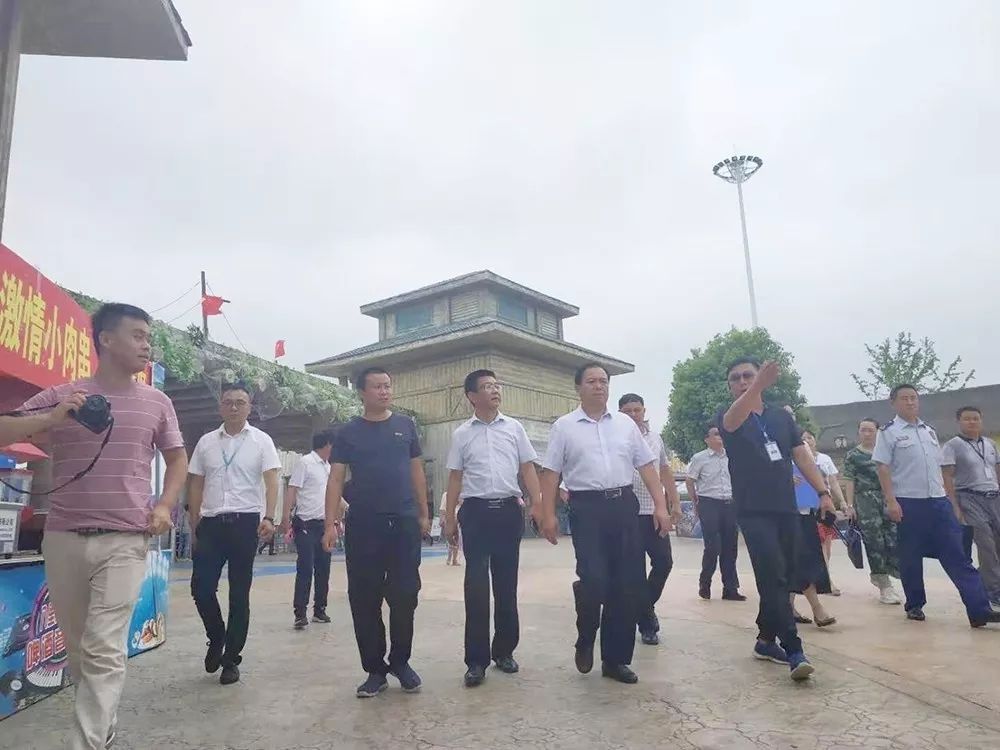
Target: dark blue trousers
{"x": 930, "y": 529}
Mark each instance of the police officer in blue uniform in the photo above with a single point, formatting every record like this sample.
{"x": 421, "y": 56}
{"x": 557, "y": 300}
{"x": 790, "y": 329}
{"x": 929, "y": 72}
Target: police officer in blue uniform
{"x": 908, "y": 457}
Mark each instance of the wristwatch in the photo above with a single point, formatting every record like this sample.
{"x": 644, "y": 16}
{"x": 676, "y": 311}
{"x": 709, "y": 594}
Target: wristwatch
{"x": 268, "y": 518}
{"x": 825, "y": 492}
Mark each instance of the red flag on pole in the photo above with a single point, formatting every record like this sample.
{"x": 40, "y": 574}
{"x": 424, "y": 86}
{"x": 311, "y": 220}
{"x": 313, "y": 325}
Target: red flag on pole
{"x": 211, "y": 305}
{"x": 279, "y": 348}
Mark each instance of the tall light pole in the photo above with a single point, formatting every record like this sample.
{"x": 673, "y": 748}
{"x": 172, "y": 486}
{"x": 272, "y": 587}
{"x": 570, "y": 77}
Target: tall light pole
{"x": 737, "y": 170}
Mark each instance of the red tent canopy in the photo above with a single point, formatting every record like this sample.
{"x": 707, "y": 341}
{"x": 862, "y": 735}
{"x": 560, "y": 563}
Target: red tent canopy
{"x": 24, "y": 452}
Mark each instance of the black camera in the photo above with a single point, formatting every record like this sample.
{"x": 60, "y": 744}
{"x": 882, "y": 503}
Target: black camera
{"x": 95, "y": 414}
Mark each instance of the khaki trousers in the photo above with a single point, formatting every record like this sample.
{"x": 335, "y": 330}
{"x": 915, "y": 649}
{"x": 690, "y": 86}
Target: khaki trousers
{"x": 94, "y": 582}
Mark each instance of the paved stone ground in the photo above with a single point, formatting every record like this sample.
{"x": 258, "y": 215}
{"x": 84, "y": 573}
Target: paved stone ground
{"x": 881, "y": 682}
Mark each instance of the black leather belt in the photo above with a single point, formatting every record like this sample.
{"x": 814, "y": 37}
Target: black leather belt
{"x": 491, "y": 502}
{"x": 95, "y": 531}
{"x": 230, "y": 517}
{"x": 614, "y": 492}
{"x": 725, "y": 500}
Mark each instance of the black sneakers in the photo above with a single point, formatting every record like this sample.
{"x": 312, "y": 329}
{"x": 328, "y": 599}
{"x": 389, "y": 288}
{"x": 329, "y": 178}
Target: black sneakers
{"x": 475, "y": 677}
{"x": 301, "y": 622}
{"x": 230, "y": 674}
{"x": 408, "y": 679}
{"x": 375, "y": 684}
{"x": 320, "y": 615}
{"x": 619, "y": 673}
{"x": 213, "y": 658}
{"x": 507, "y": 665}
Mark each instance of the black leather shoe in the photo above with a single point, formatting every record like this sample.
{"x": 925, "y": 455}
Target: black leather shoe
{"x": 915, "y": 614}
{"x": 475, "y": 676}
{"x": 619, "y": 673}
{"x": 230, "y": 674}
{"x": 507, "y": 665}
{"x": 982, "y": 622}
{"x": 213, "y": 658}
{"x": 650, "y": 639}
{"x": 584, "y": 659}
{"x": 705, "y": 592}
{"x": 733, "y": 596}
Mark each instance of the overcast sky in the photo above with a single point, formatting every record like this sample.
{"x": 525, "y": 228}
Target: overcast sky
{"x": 326, "y": 154}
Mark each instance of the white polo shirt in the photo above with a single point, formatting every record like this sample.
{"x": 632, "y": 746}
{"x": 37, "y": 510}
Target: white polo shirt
{"x": 310, "y": 477}
{"x": 233, "y": 467}
{"x": 489, "y": 455}
{"x": 600, "y": 454}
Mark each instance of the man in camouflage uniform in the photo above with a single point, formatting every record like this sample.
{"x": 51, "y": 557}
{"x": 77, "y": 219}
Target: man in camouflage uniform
{"x": 864, "y": 496}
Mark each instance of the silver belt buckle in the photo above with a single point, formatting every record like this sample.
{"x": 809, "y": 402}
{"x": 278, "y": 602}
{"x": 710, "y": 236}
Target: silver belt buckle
{"x": 616, "y": 492}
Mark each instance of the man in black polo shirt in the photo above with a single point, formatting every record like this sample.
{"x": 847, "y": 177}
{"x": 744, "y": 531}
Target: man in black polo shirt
{"x": 762, "y": 441}
{"x": 387, "y": 519}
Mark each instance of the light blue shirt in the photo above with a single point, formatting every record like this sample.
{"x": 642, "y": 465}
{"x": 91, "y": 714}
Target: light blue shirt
{"x": 489, "y": 455}
{"x": 913, "y": 454}
{"x": 597, "y": 454}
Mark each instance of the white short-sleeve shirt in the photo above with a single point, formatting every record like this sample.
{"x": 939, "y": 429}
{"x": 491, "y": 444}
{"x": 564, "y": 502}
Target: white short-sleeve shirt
{"x": 490, "y": 455}
{"x": 600, "y": 454}
{"x": 310, "y": 477}
{"x": 233, "y": 467}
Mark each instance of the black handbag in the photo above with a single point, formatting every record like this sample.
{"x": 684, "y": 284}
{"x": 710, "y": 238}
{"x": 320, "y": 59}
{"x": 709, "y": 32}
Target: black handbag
{"x": 852, "y": 539}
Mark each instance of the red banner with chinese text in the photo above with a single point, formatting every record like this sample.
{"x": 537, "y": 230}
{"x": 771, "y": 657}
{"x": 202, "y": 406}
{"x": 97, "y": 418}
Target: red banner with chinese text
{"x": 44, "y": 335}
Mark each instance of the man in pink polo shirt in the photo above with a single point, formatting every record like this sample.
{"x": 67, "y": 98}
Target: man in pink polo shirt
{"x": 99, "y": 525}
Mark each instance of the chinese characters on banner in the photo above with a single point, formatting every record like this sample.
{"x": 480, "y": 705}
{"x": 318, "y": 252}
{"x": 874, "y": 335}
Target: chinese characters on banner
{"x": 44, "y": 335}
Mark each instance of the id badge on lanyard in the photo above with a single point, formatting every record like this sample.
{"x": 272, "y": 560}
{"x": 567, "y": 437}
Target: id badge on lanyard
{"x": 773, "y": 451}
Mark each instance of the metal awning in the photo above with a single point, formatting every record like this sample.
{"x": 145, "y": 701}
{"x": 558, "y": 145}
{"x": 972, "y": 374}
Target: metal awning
{"x": 133, "y": 29}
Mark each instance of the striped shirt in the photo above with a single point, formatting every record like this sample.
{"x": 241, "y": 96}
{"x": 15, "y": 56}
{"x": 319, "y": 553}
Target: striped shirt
{"x": 117, "y": 493}
{"x": 655, "y": 443}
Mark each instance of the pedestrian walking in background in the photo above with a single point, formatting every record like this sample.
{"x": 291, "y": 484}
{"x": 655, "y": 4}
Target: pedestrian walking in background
{"x": 711, "y": 490}
{"x": 305, "y": 514}
{"x": 656, "y": 546}
{"x": 970, "y": 463}
{"x": 864, "y": 494}
{"x": 909, "y": 459}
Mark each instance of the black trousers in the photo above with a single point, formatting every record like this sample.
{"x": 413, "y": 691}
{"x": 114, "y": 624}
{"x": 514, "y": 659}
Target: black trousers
{"x": 720, "y": 532}
{"x": 383, "y": 564}
{"x": 491, "y": 540}
{"x": 773, "y": 540}
{"x": 609, "y": 564}
{"x": 311, "y": 561}
{"x": 661, "y": 562}
{"x": 228, "y": 538}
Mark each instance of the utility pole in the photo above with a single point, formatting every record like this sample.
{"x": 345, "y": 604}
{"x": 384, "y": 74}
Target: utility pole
{"x": 204, "y": 317}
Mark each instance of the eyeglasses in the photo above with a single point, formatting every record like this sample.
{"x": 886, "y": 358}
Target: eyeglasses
{"x": 736, "y": 377}
{"x": 239, "y": 404}
{"x": 488, "y": 387}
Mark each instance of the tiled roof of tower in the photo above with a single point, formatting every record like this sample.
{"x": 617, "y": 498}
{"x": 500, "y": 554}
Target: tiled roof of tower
{"x": 475, "y": 327}
{"x": 484, "y": 278}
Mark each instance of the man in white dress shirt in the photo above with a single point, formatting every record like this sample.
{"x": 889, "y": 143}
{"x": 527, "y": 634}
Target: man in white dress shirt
{"x": 596, "y": 451}
{"x": 232, "y": 470}
{"x": 305, "y": 512}
{"x": 711, "y": 490}
{"x": 487, "y": 454}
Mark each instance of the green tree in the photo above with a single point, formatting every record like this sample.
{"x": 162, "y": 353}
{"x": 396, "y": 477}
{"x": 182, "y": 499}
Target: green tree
{"x": 905, "y": 360}
{"x": 699, "y": 386}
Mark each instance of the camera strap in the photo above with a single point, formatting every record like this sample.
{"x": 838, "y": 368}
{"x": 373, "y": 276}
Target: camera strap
{"x": 75, "y": 477}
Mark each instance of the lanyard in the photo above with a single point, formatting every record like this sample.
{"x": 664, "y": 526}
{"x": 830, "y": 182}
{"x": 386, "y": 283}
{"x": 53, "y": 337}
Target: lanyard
{"x": 979, "y": 447}
{"x": 760, "y": 426}
{"x": 228, "y": 460}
